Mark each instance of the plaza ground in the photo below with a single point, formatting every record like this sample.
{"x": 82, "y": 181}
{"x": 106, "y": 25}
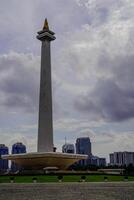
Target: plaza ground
{"x": 67, "y": 191}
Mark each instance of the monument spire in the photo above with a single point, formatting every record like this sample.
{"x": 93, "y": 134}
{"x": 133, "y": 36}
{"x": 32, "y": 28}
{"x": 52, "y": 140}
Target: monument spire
{"x": 45, "y": 124}
{"x": 46, "y": 26}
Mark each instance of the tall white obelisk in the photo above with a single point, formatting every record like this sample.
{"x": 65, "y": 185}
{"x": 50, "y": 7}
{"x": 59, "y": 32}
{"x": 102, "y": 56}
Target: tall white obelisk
{"x": 45, "y": 129}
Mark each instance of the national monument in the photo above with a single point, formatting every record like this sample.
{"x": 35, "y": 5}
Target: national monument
{"x": 45, "y": 157}
{"x": 45, "y": 129}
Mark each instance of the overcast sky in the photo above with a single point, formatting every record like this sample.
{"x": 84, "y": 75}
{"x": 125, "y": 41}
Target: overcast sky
{"x": 92, "y": 72}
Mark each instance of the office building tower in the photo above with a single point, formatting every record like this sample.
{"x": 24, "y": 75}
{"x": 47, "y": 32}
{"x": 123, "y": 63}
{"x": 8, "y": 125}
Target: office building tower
{"x": 3, "y": 163}
{"x": 121, "y": 158}
{"x": 128, "y": 158}
{"x": 83, "y": 146}
{"x": 101, "y": 162}
{"x": 68, "y": 148}
{"x": 95, "y": 160}
{"x": 17, "y": 148}
{"x": 111, "y": 158}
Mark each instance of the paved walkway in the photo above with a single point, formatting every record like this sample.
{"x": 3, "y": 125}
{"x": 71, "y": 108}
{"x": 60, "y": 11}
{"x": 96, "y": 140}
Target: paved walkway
{"x": 67, "y": 191}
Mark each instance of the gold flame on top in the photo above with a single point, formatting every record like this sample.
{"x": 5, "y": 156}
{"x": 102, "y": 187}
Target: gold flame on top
{"x": 46, "y": 26}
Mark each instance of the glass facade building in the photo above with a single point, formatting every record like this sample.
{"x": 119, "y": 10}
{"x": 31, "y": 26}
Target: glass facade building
{"x": 3, "y": 163}
{"x": 83, "y": 146}
{"x": 68, "y": 148}
{"x": 17, "y": 148}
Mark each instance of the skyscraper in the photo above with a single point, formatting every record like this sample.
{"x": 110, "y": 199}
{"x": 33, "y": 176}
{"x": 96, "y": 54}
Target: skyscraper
{"x": 83, "y": 146}
{"x": 17, "y": 148}
{"x": 68, "y": 148}
{"x": 45, "y": 129}
{"x": 121, "y": 158}
{"x": 111, "y": 158}
{"x": 3, "y": 163}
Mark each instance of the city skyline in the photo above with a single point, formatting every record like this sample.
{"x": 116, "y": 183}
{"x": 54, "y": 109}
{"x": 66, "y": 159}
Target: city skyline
{"x": 92, "y": 69}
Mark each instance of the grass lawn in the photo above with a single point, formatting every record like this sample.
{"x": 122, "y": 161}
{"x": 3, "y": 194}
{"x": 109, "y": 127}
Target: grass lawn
{"x": 66, "y": 178}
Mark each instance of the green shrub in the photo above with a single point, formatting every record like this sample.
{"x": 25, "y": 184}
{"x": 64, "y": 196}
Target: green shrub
{"x": 60, "y": 177}
{"x": 105, "y": 178}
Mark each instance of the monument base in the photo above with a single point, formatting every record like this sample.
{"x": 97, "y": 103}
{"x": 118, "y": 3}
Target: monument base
{"x": 41, "y": 160}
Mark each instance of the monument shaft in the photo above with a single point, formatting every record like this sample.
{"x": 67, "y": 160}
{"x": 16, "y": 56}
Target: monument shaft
{"x": 45, "y": 129}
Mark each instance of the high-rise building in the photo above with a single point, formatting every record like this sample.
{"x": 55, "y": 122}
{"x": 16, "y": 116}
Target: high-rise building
{"x": 101, "y": 161}
{"x": 95, "y": 160}
{"x": 83, "y": 146}
{"x": 128, "y": 158}
{"x": 111, "y": 158}
{"x": 3, "y": 163}
{"x": 68, "y": 148}
{"x": 17, "y": 148}
{"x": 121, "y": 158}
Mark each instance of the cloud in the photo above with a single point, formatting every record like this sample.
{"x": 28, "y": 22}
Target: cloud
{"x": 11, "y": 137}
{"x": 74, "y": 125}
{"x": 108, "y": 101}
{"x": 19, "y": 80}
{"x": 103, "y": 58}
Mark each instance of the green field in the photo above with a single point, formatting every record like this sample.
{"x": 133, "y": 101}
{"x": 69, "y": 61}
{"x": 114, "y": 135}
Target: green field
{"x": 66, "y": 178}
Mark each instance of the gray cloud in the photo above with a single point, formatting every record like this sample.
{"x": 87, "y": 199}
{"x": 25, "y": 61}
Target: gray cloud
{"x": 19, "y": 84}
{"x": 104, "y": 60}
{"x": 108, "y": 101}
{"x": 19, "y": 81}
{"x": 24, "y": 19}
